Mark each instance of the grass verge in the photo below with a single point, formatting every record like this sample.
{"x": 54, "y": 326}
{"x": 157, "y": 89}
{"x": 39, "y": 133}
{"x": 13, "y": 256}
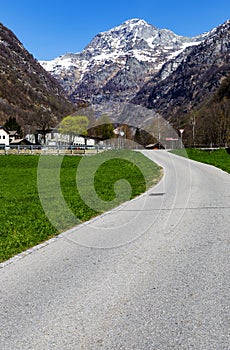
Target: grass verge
{"x": 219, "y": 158}
{"x": 23, "y": 220}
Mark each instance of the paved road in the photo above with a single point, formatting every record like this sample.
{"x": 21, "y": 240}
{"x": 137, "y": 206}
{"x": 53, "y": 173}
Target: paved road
{"x": 153, "y": 274}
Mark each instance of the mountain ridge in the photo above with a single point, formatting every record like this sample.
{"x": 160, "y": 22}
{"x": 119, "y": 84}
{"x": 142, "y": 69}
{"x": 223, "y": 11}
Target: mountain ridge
{"x": 98, "y": 71}
{"x": 27, "y": 91}
{"x": 195, "y": 73}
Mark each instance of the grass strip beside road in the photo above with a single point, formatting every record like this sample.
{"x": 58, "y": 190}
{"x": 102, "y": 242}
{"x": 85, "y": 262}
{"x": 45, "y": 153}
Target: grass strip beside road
{"x": 219, "y": 158}
{"x": 23, "y": 220}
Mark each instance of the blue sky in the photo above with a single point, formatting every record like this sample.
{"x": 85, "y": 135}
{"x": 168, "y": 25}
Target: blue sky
{"x": 51, "y": 28}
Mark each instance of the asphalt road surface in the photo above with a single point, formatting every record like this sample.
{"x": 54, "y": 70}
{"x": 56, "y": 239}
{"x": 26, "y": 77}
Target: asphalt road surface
{"x": 151, "y": 274}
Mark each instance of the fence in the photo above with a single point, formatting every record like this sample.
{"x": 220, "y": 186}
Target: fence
{"x": 37, "y": 150}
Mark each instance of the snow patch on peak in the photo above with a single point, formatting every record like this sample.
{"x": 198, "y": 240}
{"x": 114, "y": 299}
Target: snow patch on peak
{"x": 136, "y": 22}
{"x": 129, "y": 25}
{"x": 61, "y": 61}
{"x": 135, "y": 46}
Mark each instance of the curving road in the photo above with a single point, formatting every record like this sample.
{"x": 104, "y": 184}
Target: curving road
{"x": 153, "y": 274}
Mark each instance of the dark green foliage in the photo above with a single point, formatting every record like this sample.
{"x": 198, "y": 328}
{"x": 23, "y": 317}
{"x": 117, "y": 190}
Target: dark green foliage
{"x": 103, "y": 129}
{"x": 143, "y": 138}
{"x": 12, "y": 124}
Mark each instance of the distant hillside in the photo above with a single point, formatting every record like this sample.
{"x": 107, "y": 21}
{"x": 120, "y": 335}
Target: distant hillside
{"x": 209, "y": 122}
{"x": 27, "y": 91}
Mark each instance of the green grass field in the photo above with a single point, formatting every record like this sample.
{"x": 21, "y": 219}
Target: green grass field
{"x": 219, "y": 158}
{"x": 23, "y": 220}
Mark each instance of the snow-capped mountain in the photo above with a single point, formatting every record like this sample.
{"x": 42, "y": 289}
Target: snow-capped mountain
{"x": 190, "y": 78}
{"x": 118, "y": 62}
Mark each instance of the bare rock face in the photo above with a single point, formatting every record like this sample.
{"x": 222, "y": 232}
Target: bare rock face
{"x": 117, "y": 63}
{"x": 191, "y": 77}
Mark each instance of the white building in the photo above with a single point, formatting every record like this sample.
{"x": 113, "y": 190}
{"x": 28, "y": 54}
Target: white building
{"x": 4, "y": 136}
{"x": 54, "y": 139}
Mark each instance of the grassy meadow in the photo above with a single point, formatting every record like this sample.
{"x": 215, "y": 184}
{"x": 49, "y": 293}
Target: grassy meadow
{"x": 23, "y": 220}
{"x": 219, "y": 158}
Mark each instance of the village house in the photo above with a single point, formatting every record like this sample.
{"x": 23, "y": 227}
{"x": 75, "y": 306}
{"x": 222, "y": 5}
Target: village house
{"x": 4, "y": 136}
{"x": 53, "y": 138}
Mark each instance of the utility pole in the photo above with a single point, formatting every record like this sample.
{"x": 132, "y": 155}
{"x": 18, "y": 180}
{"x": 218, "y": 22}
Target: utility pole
{"x": 193, "y": 121}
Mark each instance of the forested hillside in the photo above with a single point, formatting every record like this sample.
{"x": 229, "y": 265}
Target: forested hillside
{"x": 27, "y": 91}
{"x": 209, "y": 122}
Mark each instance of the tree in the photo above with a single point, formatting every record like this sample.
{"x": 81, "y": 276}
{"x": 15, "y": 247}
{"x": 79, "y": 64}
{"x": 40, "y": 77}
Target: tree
{"x": 143, "y": 138}
{"x": 44, "y": 124}
{"x": 104, "y": 128}
{"x": 74, "y": 126}
{"x": 12, "y": 125}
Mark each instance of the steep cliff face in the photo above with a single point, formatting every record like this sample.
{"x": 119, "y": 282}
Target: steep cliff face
{"x": 195, "y": 74}
{"x": 117, "y": 63}
{"x": 27, "y": 91}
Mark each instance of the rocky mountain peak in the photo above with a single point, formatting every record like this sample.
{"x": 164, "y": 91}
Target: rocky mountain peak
{"x": 123, "y": 37}
{"x": 117, "y": 62}
{"x": 131, "y": 25}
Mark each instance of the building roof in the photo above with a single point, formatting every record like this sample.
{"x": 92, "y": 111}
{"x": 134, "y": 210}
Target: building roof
{"x": 13, "y": 132}
{"x": 3, "y": 127}
{"x": 21, "y": 142}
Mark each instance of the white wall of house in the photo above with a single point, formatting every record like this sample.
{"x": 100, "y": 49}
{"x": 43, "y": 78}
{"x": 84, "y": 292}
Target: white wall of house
{"x": 57, "y": 139}
{"x": 90, "y": 142}
{"x": 4, "y": 137}
{"x": 30, "y": 137}
{"x": 79, "y": 140}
